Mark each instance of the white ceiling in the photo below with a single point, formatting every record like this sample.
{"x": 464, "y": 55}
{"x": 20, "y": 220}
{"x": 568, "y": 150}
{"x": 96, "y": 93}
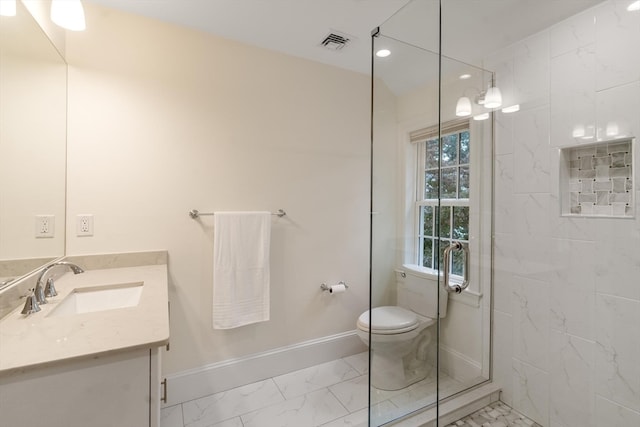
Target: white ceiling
{"x": 471, "y": 28}
{"x": 295, "y": 27}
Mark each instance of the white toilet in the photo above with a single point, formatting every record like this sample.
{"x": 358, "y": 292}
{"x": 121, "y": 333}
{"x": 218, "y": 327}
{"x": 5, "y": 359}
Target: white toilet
{"x": 401, "y": 334}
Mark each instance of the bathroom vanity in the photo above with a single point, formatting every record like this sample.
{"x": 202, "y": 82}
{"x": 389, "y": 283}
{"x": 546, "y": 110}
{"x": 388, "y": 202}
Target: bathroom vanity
{"x": 91, "y": 356}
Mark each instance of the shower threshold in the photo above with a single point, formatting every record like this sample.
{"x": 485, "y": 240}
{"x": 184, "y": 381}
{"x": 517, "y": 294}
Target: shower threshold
{"x": 455, "y": 408}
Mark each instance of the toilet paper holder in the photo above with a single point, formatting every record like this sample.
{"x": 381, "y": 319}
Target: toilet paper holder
{"x": 331, "y": 289}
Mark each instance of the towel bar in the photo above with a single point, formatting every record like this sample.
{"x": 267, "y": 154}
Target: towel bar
{"x": 194, "y": 213}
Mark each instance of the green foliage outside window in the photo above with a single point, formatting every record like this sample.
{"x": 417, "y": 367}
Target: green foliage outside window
{"x": 446, "y": 178}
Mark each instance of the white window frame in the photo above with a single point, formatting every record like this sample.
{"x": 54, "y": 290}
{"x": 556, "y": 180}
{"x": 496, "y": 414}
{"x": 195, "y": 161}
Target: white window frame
{"x": 480, "y": 190}
{"x": 421, "y": 169}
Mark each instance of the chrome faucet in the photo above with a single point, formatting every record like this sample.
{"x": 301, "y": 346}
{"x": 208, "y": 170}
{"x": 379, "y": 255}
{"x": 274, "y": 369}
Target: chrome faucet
{"x": 30, "y": 305}
{"x": 43, "y": 290}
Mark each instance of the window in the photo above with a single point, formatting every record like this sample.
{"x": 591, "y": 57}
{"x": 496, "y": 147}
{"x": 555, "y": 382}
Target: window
{"x": 445, "y": 220}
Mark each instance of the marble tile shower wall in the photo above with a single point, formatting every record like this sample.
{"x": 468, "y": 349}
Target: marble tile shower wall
{"x": 567, "y": 289}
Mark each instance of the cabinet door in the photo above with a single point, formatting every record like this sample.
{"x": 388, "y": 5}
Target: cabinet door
{"x": 157, "y": 392}
{"x": 110, "y": 391}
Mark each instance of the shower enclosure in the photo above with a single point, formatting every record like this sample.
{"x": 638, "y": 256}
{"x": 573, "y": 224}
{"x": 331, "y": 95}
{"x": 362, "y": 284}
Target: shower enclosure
{"x": 527, "y": 200}
{"x": 431, "y": 213}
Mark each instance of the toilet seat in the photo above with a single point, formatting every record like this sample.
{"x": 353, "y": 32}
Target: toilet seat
{"x": 389, "y": 320}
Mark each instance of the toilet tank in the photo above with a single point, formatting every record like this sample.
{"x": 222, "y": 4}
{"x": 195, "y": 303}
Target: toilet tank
{"x": 418, "y": 292}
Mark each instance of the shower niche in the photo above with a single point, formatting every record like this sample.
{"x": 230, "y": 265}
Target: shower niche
{"x": 596, "y": 180}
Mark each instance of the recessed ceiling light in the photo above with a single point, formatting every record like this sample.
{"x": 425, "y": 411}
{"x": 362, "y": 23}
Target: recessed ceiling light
{"x": 634, "y": 6}
{"x": 8, "y": 7}
{"x": 68, "y": 14}
{"x": 383, "y": 53}
{"x": 465, "y": 76}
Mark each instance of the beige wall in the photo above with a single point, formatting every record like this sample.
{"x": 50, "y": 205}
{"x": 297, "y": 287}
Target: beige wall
{"x": 385, "y": 197}
{"x": 41, "y": 11}
{"x": 163, "y": 120}
{"x": 32, "y": 141}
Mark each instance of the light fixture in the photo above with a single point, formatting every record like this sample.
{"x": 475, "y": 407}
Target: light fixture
{"x": 490, "y": 99}
{"x": 511, "y": 109}
{"x": 590, "y": 132}
{"x": 578, "y": 131}
{"x": 463, "y": 107}
{"x": 383, "y": 53}
{"x": 493, "y": 98}
{"x": 68, "y": 14}
{"x": 612, "y": 129}
{"x": 483, "y": 116}
{"x": 635, "y": 6}
{"x": 7, "y": 7}
{"x": 465, "y": 76}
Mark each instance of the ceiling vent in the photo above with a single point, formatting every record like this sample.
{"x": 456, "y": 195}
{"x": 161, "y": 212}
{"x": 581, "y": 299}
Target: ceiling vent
{"x": 335, "y": 40}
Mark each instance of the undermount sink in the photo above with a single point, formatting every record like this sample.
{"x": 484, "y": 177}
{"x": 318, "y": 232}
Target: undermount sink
{"x": 99, "y": 298}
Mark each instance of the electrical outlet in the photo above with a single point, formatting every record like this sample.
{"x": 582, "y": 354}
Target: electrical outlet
{"x": 84, "y": 225}
{"x": 45, "y": 226}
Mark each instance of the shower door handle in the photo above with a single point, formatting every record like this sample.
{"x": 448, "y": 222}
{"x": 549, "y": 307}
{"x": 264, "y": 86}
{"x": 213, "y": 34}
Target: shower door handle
{"x": 465, "y": 278}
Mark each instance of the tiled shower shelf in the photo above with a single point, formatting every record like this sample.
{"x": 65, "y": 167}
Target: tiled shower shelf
{"x": 597, "y": 179}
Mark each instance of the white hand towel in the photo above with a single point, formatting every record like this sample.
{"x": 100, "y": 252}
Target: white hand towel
{"x": 240, "y": 268}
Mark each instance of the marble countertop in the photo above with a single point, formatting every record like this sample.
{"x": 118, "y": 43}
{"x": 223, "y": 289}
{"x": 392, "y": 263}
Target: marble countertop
{"x": 40, "y": 339}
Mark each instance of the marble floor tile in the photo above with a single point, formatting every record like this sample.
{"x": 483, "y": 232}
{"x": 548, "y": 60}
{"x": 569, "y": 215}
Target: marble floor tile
{"x": 353, "y": 394}
{"x": 171, "y": 416}
{"x": 331, "y": 394}
{"x": 233, "y": 422}
{"x": 313, "y": 409}
{"x": 304, "y": 381}
{"x": 361, "y": 417}
{"x": 359, "y": 362}
{"x": 416, "y": 396}
{"x": 218, "y": 407}
{"x": 357, "y": 419}
{"x": 423, "y": 393}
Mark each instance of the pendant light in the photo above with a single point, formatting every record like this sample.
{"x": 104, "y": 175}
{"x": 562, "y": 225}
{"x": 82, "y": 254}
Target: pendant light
{"x": 463, "y": 107}
{"x": 68, "y": 14}
{"x": 493, "y": 98}
{"x": 7, "y": 7}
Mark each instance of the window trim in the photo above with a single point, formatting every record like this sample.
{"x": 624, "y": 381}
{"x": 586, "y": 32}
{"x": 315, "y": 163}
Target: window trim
{"x": 481, "y": 190}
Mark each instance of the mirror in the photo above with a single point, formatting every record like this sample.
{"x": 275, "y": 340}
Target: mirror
{"x": 33, "y": 97}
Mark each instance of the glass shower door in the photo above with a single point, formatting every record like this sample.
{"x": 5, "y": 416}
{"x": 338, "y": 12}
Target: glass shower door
{"x": 403, "y": 371}
{"x": 465, "y": 212}
{"x": 431, "y": 190}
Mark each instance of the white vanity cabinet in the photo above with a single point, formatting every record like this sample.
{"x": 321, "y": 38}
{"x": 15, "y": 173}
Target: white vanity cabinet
{"x": 118, "y": 390}
{"x": 87, "y": 368}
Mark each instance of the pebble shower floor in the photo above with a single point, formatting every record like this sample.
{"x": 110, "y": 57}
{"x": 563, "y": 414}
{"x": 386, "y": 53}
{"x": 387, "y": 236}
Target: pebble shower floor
{"x": 495, "y": 415}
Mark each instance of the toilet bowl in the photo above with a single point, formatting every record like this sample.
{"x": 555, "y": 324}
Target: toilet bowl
{"x": 399, "y": 336}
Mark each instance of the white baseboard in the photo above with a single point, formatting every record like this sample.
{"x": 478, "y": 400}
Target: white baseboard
{"x": 217, "y": 377}
{"x": 458, "y": 365}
